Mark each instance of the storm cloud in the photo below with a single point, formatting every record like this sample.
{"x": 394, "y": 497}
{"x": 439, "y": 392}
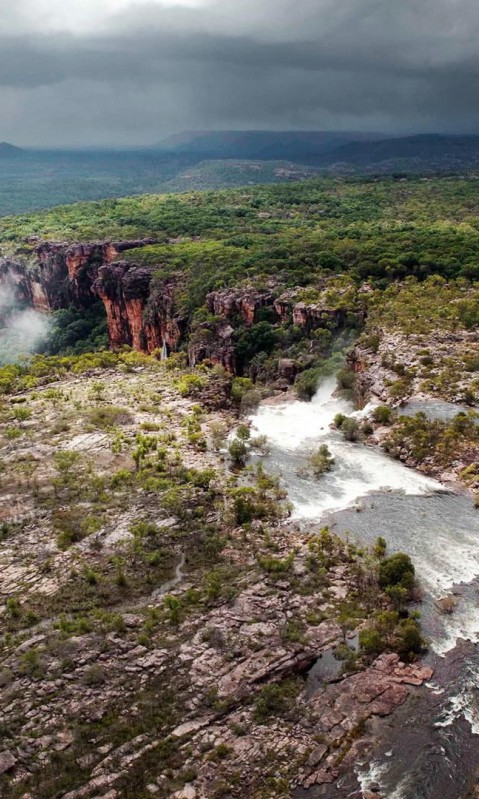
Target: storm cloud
{"x": 130, "y": 72}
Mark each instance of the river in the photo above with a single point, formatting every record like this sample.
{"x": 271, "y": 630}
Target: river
{"x": 429, "y": 749}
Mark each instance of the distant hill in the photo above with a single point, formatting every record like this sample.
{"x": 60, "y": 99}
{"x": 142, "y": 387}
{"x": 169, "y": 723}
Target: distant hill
{"x": 437, "y": 151}
{"x": 352, "y": 151}
{"x": 9, "y": 150}
{"x": 225, "y": 173}
{"x": 261, "y": 144}
{"x": 33, "y": 179}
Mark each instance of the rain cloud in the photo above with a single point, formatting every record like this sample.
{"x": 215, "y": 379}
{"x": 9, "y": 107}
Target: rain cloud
{"x": 126, "y": 72}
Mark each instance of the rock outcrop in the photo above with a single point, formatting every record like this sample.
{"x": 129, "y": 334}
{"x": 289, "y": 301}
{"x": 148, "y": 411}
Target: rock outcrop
{"x": 311, "y": 316}
{"x": 244, "y": 302}
{"x": 163, "y": 651}
{"x": 137, "y": 315}
{"x": 142, "y": 309}
{"x": 402, "y": 365}
{"x": 57, "y": 274}
{"x": 215, "y": 344}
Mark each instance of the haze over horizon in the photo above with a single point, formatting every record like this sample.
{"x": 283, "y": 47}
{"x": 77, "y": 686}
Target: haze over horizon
{"x": 131, "y": 72}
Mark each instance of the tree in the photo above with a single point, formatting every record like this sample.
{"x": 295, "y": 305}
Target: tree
{"x": 410, "y": 641}
{"x": 397, "y": 570}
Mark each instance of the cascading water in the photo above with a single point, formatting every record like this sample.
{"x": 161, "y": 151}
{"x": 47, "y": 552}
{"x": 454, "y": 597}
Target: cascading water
{"x": 427, "y": 745}
{"x": 295, "y": 429}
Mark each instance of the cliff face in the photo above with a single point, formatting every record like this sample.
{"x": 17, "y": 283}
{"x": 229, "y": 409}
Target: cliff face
{"x": 213, "y": 344}
{"x": 310, "y": 316}
{"x": 243, "y": 302}
{"x": 57, "y": 274}
{"x": 137, "y": 314}
{"x": 141, "y": 309}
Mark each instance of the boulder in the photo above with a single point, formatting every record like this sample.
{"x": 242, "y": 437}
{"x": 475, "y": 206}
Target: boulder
{"x": 7, "y": 761}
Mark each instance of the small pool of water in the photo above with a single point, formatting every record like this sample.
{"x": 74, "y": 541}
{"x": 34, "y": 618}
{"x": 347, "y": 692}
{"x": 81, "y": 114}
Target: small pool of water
{"x": 328, "y": 666}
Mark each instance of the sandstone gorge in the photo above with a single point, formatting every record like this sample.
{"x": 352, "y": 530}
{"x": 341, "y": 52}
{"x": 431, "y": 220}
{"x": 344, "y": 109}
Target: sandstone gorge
{"x": 142, "y": 308}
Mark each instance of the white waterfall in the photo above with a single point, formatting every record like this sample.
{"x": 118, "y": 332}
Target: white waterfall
{"x": 296, "y": 428}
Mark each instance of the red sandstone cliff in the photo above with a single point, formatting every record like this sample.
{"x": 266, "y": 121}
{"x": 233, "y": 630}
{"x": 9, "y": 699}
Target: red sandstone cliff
{"x": 140, "y": 310}
{"x": 244, "y": 302}
{"x": 56, "y": 274}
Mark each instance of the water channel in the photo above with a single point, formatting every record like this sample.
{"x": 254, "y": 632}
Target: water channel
{"x": 429, "y": 749}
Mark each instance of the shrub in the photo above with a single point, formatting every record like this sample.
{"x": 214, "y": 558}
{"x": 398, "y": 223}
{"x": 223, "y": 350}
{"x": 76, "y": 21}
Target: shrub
{"x": 173, "y": 606}
{"x": 371, "y": 642}
{"x": 471, "y": 362}
{"x": 31, "y": 663}
{"x": 92, "y": 577}
{"x": 190, "y": 384}
{"x": 246, "y": 507}
{"x": 346, "y": 379}
{"x": 276, "y": 565}
{"x": 218, "y": 432}
{"x": 243, "y": 432}
{"x": 176, "y": 360}
{"x": 238, "y": 452}
{"x": 94, "y": 675}
{"x": 107, "y": 416}
{"x": 382, "y": 414}
{"x": 21, "y": 414}
{"x": 276, "y": 699}
{"x": 321, "y": 461}
{"x": 12, "y": 432}
{"x": 12, "y": 607}
{"x": 380, "y": 548}
{"x": 350, "y": 429}
{"x": 261, "y": 444}
{"x": 239, "y": 387}
{"x": 409, "y": 638}
{"x": 371, "y": 341}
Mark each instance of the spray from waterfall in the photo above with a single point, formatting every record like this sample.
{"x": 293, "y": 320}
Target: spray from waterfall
{"x": 22, "y": 330}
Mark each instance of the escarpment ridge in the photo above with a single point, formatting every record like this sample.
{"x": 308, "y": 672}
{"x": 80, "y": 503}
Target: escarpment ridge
{"x": 144, "y": 308}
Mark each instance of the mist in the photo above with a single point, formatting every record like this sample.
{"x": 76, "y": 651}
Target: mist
{"x": 22, "y": 330}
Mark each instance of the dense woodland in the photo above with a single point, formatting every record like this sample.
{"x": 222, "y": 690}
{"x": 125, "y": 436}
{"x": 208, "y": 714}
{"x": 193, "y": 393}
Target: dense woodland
{"x": 396, "y": 236}
{"x": 385, "y": 228}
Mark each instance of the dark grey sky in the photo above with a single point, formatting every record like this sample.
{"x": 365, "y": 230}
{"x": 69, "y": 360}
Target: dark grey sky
{"x": 81, "y": 72}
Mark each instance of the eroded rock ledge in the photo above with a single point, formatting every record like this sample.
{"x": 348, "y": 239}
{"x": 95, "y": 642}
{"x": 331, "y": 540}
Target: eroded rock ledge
{"x": 143, "y": 309}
